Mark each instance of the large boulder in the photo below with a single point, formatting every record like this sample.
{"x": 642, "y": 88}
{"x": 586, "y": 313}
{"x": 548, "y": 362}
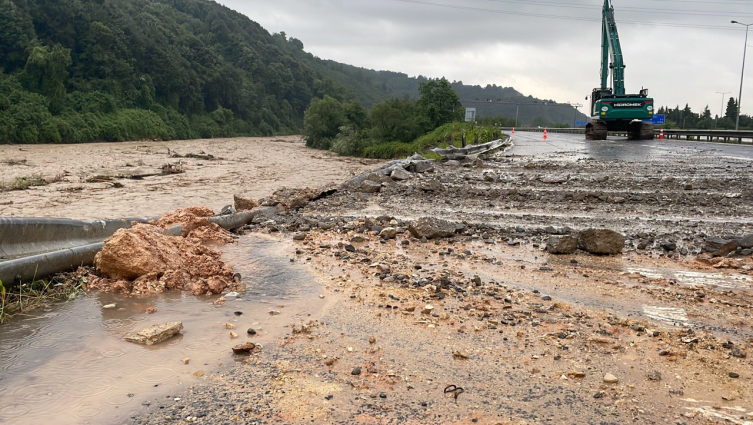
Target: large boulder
{"x": 400, "y": 174}
{"x": 431, "y": 227}
{"x": 720, "y": 247}
{"x": 562, "y": 245}
{"x": 601, "y": 241}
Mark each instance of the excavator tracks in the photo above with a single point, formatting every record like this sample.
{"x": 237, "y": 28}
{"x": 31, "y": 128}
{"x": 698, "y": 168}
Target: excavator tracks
{"x": 596, "y": 130}
{"x": 641, "y": 131}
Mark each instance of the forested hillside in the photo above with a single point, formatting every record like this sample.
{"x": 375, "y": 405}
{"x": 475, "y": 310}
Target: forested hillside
{"x": 86, "y": 70}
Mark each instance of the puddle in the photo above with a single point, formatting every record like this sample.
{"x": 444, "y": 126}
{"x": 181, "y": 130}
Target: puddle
{"x": 71, "y": 365}
{"x": 698, "y": 279}
{"x": 670, "y": 315}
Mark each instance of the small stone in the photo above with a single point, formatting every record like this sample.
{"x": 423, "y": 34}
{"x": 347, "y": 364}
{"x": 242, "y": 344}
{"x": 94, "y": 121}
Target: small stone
{"x": 151, "y": 310}
{"x": 274, "y": 312}
{"x": 251, "y": 331}
{"x": 372, "y": 340}
{"x": 238, "y": 313}
{"x": 155, "y": 334}
{"x": 734, "y": 375}
{"x": 233, "y": 335}
{"x": 244, "y": 348}
{"x": 299, "y": 236}
{"x": 229, "y": 326}
{"x": 350, "y": 349}
{"x": 460, "y": 355}
{"x": 356, "y": 371}
{"x": 428, "y": 308}
{"x": 186, "y": 360}
{"x": 382, "y": 395}
{"x": 198, "y": 374}
{"x": 654, "y": 375}
{"x": 109, "y": 306}
{"x": 610, "y": 379}
{"x": 388, "y": 233}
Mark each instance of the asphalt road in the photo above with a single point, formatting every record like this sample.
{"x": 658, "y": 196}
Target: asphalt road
{"x": 529, "y": 143}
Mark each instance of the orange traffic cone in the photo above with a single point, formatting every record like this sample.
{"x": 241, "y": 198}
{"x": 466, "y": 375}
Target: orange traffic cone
{"x": 545, "y": 134}
{"x": 513, "y": 130}
{"x": 661, "y": 134}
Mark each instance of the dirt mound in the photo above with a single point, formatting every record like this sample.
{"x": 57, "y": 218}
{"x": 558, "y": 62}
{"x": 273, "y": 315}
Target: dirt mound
{"x": 196, "y": 224}
{"x": 143, "y": 260}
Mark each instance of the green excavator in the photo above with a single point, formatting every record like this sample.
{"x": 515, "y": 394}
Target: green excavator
{"x": 611, "y": 108}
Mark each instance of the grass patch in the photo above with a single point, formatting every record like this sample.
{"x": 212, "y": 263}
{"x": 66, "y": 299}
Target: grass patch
{"x": 27, "y": 297}
{"x": 444, "y": 136}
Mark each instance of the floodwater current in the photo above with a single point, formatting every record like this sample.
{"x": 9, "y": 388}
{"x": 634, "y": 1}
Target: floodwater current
{"x": 69, "y": 363}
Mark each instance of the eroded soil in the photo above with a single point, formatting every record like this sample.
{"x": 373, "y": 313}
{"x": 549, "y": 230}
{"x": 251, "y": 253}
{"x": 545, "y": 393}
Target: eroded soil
{"x": 660, "y": 334}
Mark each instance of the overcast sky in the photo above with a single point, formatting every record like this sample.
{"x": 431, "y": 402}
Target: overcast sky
{"x": 683, "y": 51}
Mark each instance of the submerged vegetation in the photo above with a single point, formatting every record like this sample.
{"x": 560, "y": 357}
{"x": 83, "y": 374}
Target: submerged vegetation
{"x": 26, "y": 297}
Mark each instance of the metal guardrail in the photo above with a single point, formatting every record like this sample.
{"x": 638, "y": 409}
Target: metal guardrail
{"x": 726, "y": 136}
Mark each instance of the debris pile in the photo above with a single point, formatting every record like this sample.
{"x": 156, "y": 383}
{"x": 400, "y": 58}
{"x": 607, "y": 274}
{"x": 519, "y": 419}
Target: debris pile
{"x": 144, "y": 260}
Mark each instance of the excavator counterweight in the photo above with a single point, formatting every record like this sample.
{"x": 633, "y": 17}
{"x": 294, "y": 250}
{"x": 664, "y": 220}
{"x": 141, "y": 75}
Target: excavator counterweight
{"x": 611, "y": 108}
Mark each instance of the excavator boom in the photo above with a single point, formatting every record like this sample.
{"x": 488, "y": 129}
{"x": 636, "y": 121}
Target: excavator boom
{"x": 611, "y": 108}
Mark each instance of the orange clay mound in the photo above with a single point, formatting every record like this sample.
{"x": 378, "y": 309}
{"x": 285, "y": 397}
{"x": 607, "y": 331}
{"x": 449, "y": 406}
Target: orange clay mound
{"x": 143, "y": 260}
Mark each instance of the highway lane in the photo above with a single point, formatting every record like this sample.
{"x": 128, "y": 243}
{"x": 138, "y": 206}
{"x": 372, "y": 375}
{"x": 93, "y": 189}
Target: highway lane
{"x": 614, "y": 148}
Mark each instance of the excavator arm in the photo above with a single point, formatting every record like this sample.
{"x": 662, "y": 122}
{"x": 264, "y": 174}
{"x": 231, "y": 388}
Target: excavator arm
{"x": 610, "y": 43}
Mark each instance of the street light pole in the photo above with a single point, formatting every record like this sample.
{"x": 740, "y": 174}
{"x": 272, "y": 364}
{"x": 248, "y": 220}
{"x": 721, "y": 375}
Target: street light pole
{"x": 721, "y": 110}
{"x": 742, "y": 74}
{"x": 517, "y": 107}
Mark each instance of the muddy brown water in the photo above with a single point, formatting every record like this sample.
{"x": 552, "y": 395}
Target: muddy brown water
{"x": 69, "y": 364}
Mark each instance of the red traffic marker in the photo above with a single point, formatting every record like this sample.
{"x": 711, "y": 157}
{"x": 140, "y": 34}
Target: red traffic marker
{"x": 661, "y": 134}
{"x": 545, "y": 136}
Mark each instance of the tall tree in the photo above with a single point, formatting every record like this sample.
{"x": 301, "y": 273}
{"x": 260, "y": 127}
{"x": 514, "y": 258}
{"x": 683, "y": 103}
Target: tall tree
{"x": 438, "y": 104}
{"x": 731, "y": 111}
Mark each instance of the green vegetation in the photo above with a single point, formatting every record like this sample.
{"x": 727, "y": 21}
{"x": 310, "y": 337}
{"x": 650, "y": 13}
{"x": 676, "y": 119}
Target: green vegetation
{"x": 686, "y": 118}
{"x": 390, "y": 129}
{"x": 446, "y": 135}
{"x": 30, "y": 296}
{"x": 108, "y": 70}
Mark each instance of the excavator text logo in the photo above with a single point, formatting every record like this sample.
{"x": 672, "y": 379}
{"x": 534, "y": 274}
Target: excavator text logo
{"x": 627, "y": 105}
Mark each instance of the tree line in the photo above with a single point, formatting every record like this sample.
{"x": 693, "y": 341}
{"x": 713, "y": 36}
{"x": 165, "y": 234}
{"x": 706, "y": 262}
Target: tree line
{"x": 685, "y": 118}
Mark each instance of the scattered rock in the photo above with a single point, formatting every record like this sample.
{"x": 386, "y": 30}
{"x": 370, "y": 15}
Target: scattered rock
{"x": 388, "y": 233}
{"x": 251, "y": 331}
{"x": 428, "y": 308}
{"x": 299, "y": 236}
{"x": 746, "y": 242}
{"x": 601, "y": 241}
{"x": 246, "y": 348}
{"x": 155, "y": 334}
{"x": 720, "y": 247}
{"x": 185, "y": 360}
{"x": 356, "y": 371}
{"x": 431, "y": 228}
{"x": 431, "y": 185}
{"x": 610, "y": 379}
{"x": 368, "y": 186}
{"x": 274, "y": 312}
{"x": 109, "y": 306}
{"x": 561, "y": 245}
{"x": 242, "y": 204}
{"x": 734, "y": 375}
{"x": 399, "y": 174}
{"x": 654, "y": 375}
{"x": 372, "y": 340}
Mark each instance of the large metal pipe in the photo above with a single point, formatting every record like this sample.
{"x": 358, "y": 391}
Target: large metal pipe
{"x": 37, "y": 266}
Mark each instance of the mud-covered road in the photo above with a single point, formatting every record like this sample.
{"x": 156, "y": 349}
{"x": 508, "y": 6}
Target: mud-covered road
{"x": 485, "y": 326}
